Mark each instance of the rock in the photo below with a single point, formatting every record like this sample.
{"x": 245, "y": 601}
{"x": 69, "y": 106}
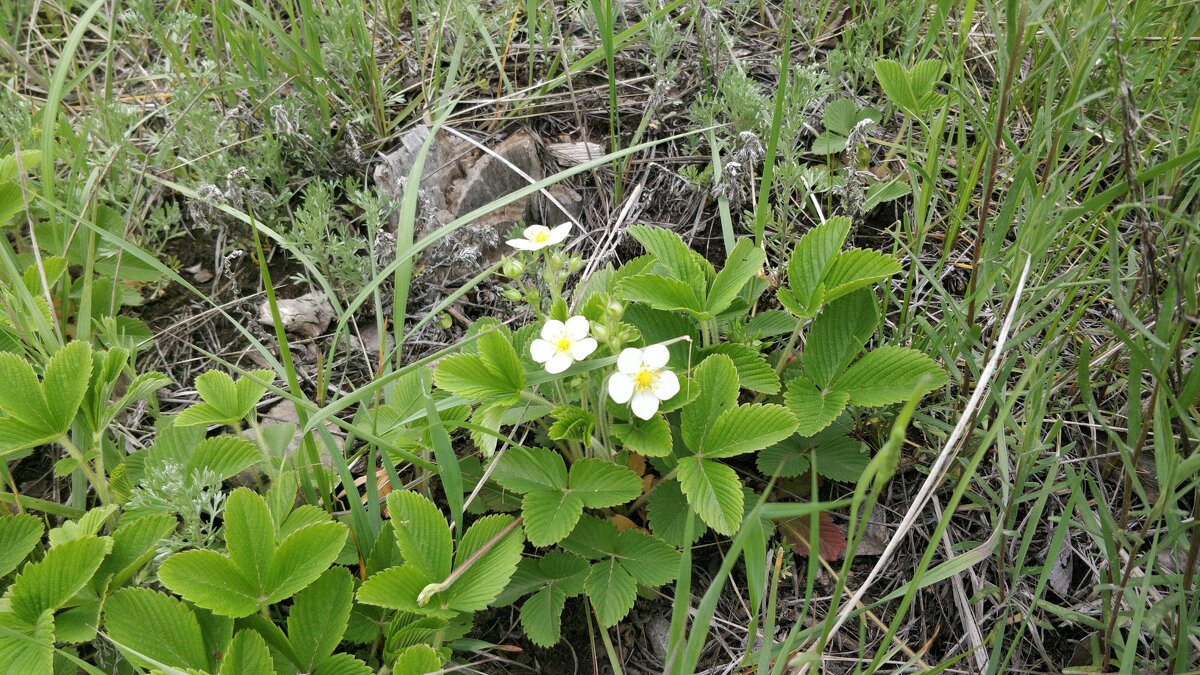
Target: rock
{"x": 457, "y": 179}
{"x": 306, "y": 316}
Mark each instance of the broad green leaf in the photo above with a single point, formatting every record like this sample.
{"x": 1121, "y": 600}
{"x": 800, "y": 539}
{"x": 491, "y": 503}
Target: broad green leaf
{"x": 11, "y": 201}
{"x": 343, "y": 663}
{"x": 922, "y": 78}
{"x": 85, "y": 526}
{"x": 17, "y": 436}
{"x": 11, "y": 166}
{"x": 828, "y": 143}
{"x": 501, "y": 360}
{"x": 747, "y": 428}
{"x": 422, "y": 533}
{"x": 550, "y": 515}
{"x": 466, "y": 375}
{"x": 714, "y": 492}
{"x": 210, "y": 580}
{"x": 889, "y": 375}
{"x": 248, "y": 655}
{"x": 744, "y": 261}
{"x": 398, "y": 588}
{"x": 249, "y": 535}
{"x": 319, "y": 616}
{"x": 26, "y": 647}
{"x": 662, "y": 293}
{"x": 893, "y": 79}
{"x": 302, "y": 557}
{"x": 530, "y": 469}
{"x": 669, "y": 249}
{"x": 225, "y": 401}
{"x": 814, "y": 408}
{"x": 156, "y": 626}
{"x": 855, "y": 269}
{"x": 66, "y": 383}
{"x": 134, "y": 543}
{"x": 885, "y": 191}
{"x": 572, "y": 423}
{"x": 541, "y": 616}
{"x": 77, "y": 624}
{"x": 418, "y": 660}
{"x": 49, "y": 583}
{"x": 226, "y": 456}
{"x": 612, "y": 591}
{"x": 770, "y": 323}
{"x": 811, "y": 257}
{"x": 718, "y": 381}
{"x": 601, "y": 484}
{"x": 668, "y": 510}
{"x": 592, "y": 538}
{"x": 490, "y": 572}
{"x": 657, "y": 326}
{"x": 837, "y": 335}
{"x": 844, "y": 461}
{"x": 753, "y": 371}
{"x": 18, "y": 536}
{"x": 651, "y": 438}
{"x": 650, "y": 561}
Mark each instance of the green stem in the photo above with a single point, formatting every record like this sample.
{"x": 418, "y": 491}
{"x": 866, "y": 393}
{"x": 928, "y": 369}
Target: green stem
{"x": 97, "y": 481}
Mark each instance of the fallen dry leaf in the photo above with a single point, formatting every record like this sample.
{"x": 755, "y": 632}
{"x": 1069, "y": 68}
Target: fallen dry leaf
{"x": 797, "y": 532}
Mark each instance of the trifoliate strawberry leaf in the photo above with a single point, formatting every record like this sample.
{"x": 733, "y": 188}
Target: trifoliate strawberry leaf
{"x": 248, "y": 655}
{"x": 668, "y": 510}
{"x": 612, "y": 591}
{"x": 225, "y": 401}
{"x": 747, "y": 428}
{"x": 601, "y": 484}
{"x": 650, "y": 438}
{"x": 813, "y": 408}
{"x": 743, "y": 262}
{"x": 572, "y": 423}
{"x": 158, "y": 627}
{"x": 810, "y": 258}
{"x": 718, "y": 382}
{"x": 837, "y": 335}
{"x": 714, "y": 492}
{"x": 890, "y": 375}
{"x": 754, "y": 373}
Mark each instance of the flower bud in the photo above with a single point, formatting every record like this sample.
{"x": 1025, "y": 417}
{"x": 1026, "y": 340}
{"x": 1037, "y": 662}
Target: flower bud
{"x": 512, "y": 294}
{"x": 615, "y": 309}
{"x": 574, "y": 264}
{"x": 513, "y": 268}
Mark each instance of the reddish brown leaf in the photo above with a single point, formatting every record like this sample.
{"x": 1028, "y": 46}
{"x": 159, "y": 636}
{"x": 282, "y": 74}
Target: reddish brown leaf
{"x": 797, "y": 532}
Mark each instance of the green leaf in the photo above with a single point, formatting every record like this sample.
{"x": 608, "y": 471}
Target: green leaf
{"x": 468, "y": 376}
{"x": 302, "y": 557}
{"x": 134, "y": 543}
{"x": 42, "y": 410}
{"x": 550, "y": 516}
{"x": 225, "y": 401}
{"x": 747, "y": 428}
{"x": 612, "y": 591}
{"x": 346, "y": 664}
{"x": 226, "y": 456}
{"x": 398, "y": 588}
{"x": 770, "y": 323}
{"x": 11, "y": 166}
{"x": 572, "y": 423}
{"x": 530, "y": 469}
{"x": 662, "y": 293}
{"x": 210, "y": 580}
{"x": 791, "y": 457}
{"x": 743, "y": 262}
{"x": 718, "y": 381}
{"x": 893, "y": 79}
{"x": 828, "y": 143}
{"x": 48, "y": 584}
{"x": 249, "y": 535}
{"x": 843, "y": 461}
{"x": 714, "y": 492}
{"x": 18, "y": 536}
{"x": 66, "y": 382}
{"x": 668, "y": 510}
{"x": 592, "y": 538}
{"x": 651, "y": 561}
{"x": 753, "y": 371}
{"x": 541, "y": 616}
{"x": 501, "y": 360}
{"x": 855, "y": 269}
{"x": 248, "y": 655}
{"x": 808, "y": 263}
{"x": 489, "y": 574}
{"x": 601, "y": 484}
{"x": 885, "y": 191}
{"x": 157, "y": 626}
{"x": 836, "y": 336}
{"x": 814, "y": 408}
{"x": 26, "y": 647}
{"x": 11, "y": 201}
{"x": 418, "y": 660}
{"x": 890, "y": 375}
{"x": 421, "y": 532}
{"x": 651, "y": 438}
{"x": 922, "y": 78}
{"x": 319, "y": 616}
{"x": 669, "y": 249}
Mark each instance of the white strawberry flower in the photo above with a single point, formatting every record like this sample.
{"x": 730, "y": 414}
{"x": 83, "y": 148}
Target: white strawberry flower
{"x": 642, "y": 380}
{"x": 563, "y": 343}
{"x": 538, "y": 237}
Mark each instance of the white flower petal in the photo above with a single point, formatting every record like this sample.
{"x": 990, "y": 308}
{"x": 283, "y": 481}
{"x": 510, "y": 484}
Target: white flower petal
{"x": 655, "y": 356}
{"x": 620, "y": 387}
{"x": 644, "y": 404}
{"x": 559, "y": 234}
{"x": 666, "y": 386}
{"x": 582, "y": 349}
{"x": 541, "y": 351}
{"x": 629, "y": 361}
{"x": 578, "y": 327}
{"x": 553, "y": 330}
{"x": 534, "y": 230}
{"x": 523, "y": 244}
{"x": 558, "y": 363}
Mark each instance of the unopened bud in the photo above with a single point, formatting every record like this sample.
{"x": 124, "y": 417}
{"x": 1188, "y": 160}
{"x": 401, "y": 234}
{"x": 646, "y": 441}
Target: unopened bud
{"x": 513, "y": 268}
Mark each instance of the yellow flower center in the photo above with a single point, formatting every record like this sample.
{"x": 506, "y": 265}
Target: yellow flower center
{"x": 563, "y": 344}
{"x": 645, "y": 379}
{"x": 540, "y": 237}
